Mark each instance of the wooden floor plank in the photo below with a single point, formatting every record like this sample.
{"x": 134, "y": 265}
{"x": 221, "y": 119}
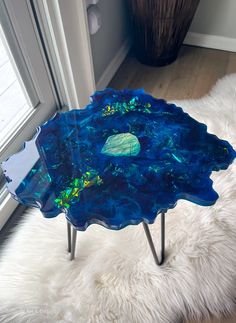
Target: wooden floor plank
{"x": 231, "y": 67}
{"x": 212, "y": 65}
{"x": 125, "y": 74}
{"x": 192, "y": 75}
{"x": 184, "y": 74}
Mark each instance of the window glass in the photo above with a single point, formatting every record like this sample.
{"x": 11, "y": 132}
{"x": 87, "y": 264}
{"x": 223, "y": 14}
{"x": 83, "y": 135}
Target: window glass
{"x": 14, "y": 101}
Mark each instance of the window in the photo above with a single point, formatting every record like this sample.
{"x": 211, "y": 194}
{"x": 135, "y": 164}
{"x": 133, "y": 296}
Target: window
{"x": 27, "y": 94}
{"x": 14, "y": 101}
{"x": 48, "y": 46}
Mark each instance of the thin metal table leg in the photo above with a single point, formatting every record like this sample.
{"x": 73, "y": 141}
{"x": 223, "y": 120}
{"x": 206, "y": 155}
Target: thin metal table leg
{"x": 162, "y": 238}
{"x": 74, "y": 234}
{"x": 69, "y": 236}
{"x": 149, "y": 237}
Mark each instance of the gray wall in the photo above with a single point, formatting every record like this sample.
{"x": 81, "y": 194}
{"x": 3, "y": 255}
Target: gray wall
{"x": 113, "y": 32}
{"x": 215, "y": 17}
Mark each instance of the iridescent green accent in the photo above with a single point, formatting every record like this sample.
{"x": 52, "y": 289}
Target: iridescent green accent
{"x": 72, "y": 193}
{"x": 123, "y": 144}
{"x": 124, "y": 107}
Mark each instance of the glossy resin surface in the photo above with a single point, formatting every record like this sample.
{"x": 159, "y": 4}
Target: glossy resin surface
{"x": 123, "y": 159}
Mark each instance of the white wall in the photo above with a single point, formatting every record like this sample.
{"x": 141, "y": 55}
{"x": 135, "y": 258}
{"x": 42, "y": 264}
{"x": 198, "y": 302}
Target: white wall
{"x": 215, "y": 17}
{"x": 108, "y": 41}
{"x": 214, "y": 25}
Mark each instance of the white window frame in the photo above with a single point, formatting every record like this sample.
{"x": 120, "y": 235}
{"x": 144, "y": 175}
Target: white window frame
{"x": 19, "y": 30}
{"x": 66, "y": 37}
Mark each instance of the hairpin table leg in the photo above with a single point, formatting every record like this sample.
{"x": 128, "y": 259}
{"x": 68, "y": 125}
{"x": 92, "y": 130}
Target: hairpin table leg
{"x": 69, "y": 236}
{"x": 149, "y": 237}
{"x": 73, "y": 244}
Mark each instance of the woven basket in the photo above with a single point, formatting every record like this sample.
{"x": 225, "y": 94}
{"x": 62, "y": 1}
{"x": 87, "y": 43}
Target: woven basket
{"x": 159, "y": 28}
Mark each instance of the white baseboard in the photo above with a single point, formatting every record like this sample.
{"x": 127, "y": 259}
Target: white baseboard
{"x": 113, "y": 65}
{"x": 211, "y": 41}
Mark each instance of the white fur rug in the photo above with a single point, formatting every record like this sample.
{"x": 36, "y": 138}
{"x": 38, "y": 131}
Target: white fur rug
{"x": 114, "y": 278}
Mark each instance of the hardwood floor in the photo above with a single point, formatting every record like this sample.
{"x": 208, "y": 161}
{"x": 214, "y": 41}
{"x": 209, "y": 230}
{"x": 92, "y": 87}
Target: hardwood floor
{"x": 192, "y": 76}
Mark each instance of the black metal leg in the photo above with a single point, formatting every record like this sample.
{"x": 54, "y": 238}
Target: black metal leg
{"x": 69, "y": 236}
{"x": 162, "y": 238}
{"x": 73, "y": 244}
{"x": 149, "y": 237}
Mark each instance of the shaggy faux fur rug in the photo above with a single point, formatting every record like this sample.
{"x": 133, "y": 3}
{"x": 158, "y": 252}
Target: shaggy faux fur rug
{"x": 114, "y": 278}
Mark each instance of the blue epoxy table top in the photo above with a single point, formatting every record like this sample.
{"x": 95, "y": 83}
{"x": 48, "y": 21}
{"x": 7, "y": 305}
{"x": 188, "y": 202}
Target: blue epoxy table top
{"x": 122, "y": 160}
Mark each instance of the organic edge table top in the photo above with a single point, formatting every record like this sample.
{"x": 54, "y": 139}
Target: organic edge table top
{"x": 122, "y": 160}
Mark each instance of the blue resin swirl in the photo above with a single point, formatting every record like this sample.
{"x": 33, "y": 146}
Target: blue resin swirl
{"x": 122, "y": 160}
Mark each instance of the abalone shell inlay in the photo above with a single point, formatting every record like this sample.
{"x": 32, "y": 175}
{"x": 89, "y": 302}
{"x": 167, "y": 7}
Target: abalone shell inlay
{"x": 122, "y": 144}
{"x": 122, "y": 160}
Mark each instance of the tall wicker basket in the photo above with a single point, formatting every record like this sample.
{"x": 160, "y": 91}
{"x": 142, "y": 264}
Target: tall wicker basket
{"x": 159, "y": 28}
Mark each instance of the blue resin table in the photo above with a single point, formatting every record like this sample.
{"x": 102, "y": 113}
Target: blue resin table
{"x": 122, "y": 160}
